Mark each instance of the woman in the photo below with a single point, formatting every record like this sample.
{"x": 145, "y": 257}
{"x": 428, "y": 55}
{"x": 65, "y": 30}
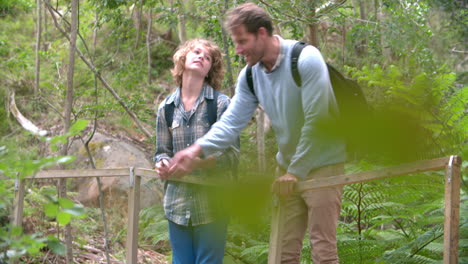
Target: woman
{"x": 197, "y": 226}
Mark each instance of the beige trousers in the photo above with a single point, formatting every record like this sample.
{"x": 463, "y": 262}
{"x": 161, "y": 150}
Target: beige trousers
{"x": 318, "y": 210}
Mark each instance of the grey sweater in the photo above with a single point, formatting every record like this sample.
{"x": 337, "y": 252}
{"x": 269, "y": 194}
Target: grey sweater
{"x": 301, "y": 117}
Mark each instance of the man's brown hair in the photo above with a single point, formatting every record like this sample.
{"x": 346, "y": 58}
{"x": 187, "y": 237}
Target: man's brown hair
{"x": 251, "y": 16}
{"x": 215, "y": 75}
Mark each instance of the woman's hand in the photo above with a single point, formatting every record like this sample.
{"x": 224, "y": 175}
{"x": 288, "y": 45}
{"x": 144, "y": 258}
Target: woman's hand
{"x": 162, "y": 169}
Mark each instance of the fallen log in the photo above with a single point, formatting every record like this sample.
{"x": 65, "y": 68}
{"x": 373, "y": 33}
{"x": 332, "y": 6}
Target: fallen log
{"x": 24, "y": 122}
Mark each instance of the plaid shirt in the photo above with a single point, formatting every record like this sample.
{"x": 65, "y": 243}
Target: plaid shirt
{"x": 186, "y": 203}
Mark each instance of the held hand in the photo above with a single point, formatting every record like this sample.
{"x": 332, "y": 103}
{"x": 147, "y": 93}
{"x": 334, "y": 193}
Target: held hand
{"x": 208, "y": 162}
{"x": 184, "y": 161}
{"x": 162, "y": 169}
{"x": 284, "y": 185}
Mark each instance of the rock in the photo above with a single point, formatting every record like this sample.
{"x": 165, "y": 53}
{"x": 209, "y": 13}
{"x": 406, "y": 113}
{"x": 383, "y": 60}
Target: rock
{"x": 110, "y": 153}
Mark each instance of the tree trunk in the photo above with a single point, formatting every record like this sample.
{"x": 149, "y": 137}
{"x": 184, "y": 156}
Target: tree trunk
{"x": 86, "y": 145}
{"x": 313, "y": 32}
{"x": 380, "y": 17}
{"x": 376, "y": 10}
{"x": 68, "y": 110}
{"x": 225, "y": 37}
{"x": 181, "y": 23}
{"x": 362, "y": 10}
{"x": 343, "y": 46}
{"x": 148, "y": 43}
{"x": 99, "y": 76}
{"x": 138, "y": 23}
{"x": 38, "y": 47}
{"x": 361, "y": 50}
{"x": 96, "y": 19}
{"x": 44, "y": 15}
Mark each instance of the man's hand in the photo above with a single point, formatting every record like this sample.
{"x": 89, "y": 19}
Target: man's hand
{"x": 207, "y": 163}
{"x": 184, "y": 161}
{"x": 162, "y": 169}
{"x": 284, "y": 185}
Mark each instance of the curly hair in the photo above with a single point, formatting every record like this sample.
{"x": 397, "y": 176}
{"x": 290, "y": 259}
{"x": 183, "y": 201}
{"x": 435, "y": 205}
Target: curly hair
{"x": 215, "y": 75}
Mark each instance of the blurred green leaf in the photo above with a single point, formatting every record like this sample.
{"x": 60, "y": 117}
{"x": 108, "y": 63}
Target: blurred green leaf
{"x": 51, "y": 209}
{"x": 65, "y": 203}
{"x": 54, "y": 244}
{"x": 76, "y": 211}
{"x": 63, "y": 218}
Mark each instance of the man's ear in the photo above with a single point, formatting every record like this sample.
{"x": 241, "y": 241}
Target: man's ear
{"x": 262, "y": 31}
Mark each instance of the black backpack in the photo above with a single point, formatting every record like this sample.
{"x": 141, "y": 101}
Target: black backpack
{"x": 352, "y": 104}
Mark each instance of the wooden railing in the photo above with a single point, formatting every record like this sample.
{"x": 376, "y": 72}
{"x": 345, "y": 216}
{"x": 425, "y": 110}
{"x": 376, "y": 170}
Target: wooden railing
{"x": 451, "y": 165}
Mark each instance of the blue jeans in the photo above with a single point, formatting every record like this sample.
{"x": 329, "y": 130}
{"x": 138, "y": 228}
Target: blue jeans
{"x": 202, "y": 244}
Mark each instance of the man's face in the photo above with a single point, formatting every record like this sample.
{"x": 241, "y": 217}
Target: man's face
{"x": 247, "y": 44}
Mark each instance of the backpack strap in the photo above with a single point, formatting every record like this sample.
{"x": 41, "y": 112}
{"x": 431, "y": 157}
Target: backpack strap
{"x": 211, "y": 109}
{"x": 248, "y": 75}
{"x": 295, "y": 53}
{"x": 169, "y": 113}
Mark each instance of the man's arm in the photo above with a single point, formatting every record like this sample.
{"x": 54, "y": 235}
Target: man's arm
{"x": 184, "y": 161}
{"x": 222, "y": 134}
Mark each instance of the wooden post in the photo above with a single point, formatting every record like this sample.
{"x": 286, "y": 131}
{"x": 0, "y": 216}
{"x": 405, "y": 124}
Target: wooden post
{"x": 18, "y": 203}
{"x": 277, "y": 223}
{"x": 452, "y": 210}
{"x": 133, "y": 212}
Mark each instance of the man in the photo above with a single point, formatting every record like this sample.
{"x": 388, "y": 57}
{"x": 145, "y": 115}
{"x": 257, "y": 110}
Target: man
{"x": 299, "y": 116}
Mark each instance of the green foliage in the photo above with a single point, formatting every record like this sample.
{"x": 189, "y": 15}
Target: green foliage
{"x": 154, "y": 226}
{"x": 4, "y": 126}
{"x": 405, "y": 59}
{"x": 75, "y": 129}
{"x": 13, "y": 242}
{"x": 14, "y": 7}
{"x": 404, "y": 225}
{"x": 433, "y": 100}
{"x": 17, "y": 55}
{"x": 421, "y": 250}
{"x": 248, "y": 243}
{"x": 63, "y": 210}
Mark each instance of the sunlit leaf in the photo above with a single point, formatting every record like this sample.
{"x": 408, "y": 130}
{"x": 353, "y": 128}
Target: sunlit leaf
{"x": 54, "y": 244}
{"x": 16, "y": 231}
{"x": 79, "y": 125}
{"x": 51, "y": 209}
{"x": 77, "y": 210}
{"x": 65, "y": 203}
{"x": 66, "y": 159}
{"x": 63, "y": 218}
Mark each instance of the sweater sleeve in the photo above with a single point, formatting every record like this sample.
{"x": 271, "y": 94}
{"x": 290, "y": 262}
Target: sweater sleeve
{"x": 229, "y": 158}
{"x": 226, "y": 131}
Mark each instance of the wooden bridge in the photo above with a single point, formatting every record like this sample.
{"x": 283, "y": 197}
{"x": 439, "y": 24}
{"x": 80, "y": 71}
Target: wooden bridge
{"x": 451, "y": 165}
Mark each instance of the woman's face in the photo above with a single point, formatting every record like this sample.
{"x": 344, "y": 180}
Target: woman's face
{"x": 198, "y": 60}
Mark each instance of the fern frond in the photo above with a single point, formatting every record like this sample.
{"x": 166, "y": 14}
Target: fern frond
{"x": 424, "y": 249}
{"x": 256, "y": 254}
{"x": 360, "y": 251}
